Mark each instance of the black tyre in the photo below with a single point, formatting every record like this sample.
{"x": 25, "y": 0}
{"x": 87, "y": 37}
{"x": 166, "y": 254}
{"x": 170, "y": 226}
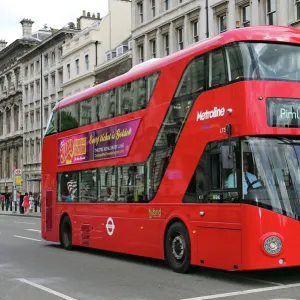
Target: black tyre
{"x": 178, "y": 248}
{"x": 66, "y": 233}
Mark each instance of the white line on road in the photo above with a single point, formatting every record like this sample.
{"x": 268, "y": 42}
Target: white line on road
{"x": 24, "y": 223}
{"x": 26, "y": 238}
{"x": 246, "y": 292}
{"x": 43, "y": 288}
{"x": 35, "y": 230}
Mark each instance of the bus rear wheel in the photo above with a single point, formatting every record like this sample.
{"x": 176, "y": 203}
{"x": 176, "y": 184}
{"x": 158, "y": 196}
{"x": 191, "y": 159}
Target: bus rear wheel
{"x": 178, "y": 248}
{"x": 66, "y": 233}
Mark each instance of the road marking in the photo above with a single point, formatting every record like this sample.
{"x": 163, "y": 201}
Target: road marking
{"x": 24, "y": 223}
{"x": 43, "y": 288}
{"x": 35, "y": 230}
{"x": 26, "y": 238}
{"x": 246, "y": 292}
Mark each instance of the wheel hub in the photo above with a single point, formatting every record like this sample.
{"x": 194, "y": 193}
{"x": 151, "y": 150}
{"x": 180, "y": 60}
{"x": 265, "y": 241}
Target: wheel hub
{"x": 178, "y": 246}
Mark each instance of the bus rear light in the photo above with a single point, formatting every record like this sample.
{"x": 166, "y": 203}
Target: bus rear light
{"x": 273, "y": 245}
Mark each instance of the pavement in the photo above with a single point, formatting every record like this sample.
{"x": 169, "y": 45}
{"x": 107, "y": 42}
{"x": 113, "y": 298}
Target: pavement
{"x": 17, "y": 213}
{"x": 33, "y": 269}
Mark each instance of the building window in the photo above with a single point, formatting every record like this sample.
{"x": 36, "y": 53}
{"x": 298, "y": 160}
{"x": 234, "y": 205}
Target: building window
{"x": 46, "y": 83}
{"x": 195, "y": 31}
{"x": 53, "y": 58}
{"x": 153, "y": 48}
{"x": 141, "y": 13}
{"x": 31, "y": 69}
{"x": 297, "y": 2}
{"x": 166, "y": 4}
{"x": 60, "y": 51}
{"x": 26, "y": 71}
{"x": 180, "y": 38}
{"x": 60, "y": 77}
{"x": 222, "y": 23}
{"x": 46, "y": 60}
{"x": 53, "y": 80}
{"x": 38, "y": 88}
{"x": 37, "y": 66}
{"x": 166, "y": 45}
{"x": 141, "y": 53}
{"x": 246, "y": 16}
{"x": 87, "y": 62}
{"x": 153, "y": 8}
{"x": 68, "y": 71}
{"x": 271, "y": 12}
{"x": 77, "y": 66}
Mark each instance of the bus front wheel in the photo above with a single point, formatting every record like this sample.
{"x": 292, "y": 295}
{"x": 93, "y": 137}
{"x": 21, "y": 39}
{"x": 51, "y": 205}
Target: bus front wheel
{"x": 66, "y": 233}
{"x": 178, "y": 248}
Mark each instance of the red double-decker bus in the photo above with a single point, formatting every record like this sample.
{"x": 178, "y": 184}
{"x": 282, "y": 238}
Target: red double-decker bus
{"x": 193, "y": 158}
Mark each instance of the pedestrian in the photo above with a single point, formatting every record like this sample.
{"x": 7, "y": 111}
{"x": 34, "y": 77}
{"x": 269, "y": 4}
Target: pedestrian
{"x": 31, "y": 202}
{"x": 25, "y": 204}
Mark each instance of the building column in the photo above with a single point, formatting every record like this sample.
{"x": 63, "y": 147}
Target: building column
{"x": 159, "y": 42}
{"x": 282, "y": 12}
{"x": 254, "y": 6}
{"x": 11, "y": 160}
{"x": 186, "y": 32}
{"x": 231, "y": 15}
{"x": 146, "y": 48}
{"x": 4, "y": 123}
{"x": 172, "y": 39}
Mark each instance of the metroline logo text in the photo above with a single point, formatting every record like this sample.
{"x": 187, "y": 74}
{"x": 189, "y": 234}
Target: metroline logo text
{"x": 210, "y": 114}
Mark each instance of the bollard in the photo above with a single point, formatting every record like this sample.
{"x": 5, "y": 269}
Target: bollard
{"x": 35, "y": 206}
{"x": 2, "y": 205}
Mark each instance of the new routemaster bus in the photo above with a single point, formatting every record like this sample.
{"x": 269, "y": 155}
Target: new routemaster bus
{"x": 192, "y": 158}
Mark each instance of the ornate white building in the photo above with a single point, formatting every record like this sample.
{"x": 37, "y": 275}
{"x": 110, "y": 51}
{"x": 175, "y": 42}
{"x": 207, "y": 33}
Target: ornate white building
{"x": 11, "y": 121}
{"x": 162, "y": 27}
{"x": 90, "y": 48}
{"x": 42, "y": 89}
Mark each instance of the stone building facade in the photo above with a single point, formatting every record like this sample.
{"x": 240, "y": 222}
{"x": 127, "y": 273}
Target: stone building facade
{"x": 42, "y": 89}
{"x": 94, "y": 44}
{"x": 11, "y": 121}
{"x": 162, "y": 27}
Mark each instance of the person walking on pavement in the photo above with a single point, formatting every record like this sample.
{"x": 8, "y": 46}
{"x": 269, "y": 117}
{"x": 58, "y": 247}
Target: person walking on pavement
{"x": 6, "y": 195}
{"x": 26, "y": 204}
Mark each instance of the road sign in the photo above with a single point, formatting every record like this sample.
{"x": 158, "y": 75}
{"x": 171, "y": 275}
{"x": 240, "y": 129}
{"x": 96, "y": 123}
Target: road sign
{"x": 18, "y": 172}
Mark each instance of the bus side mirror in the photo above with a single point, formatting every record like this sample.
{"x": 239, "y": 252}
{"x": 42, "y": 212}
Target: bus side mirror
{"x": 227, "y": 158}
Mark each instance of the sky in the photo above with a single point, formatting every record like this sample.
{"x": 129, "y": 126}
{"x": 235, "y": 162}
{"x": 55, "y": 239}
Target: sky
{"x": 54, "y": 13}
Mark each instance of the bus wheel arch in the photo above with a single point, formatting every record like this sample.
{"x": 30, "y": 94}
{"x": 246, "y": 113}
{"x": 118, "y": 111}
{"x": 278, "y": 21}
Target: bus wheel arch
{"x": 65, "y": 232}
{"x": 177, "y": 245}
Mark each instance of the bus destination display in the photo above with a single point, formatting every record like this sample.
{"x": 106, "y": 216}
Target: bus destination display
{"x": 282, "y": 112}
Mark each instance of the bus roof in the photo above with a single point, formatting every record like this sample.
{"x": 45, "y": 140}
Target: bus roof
{"x": 255, "y": 33}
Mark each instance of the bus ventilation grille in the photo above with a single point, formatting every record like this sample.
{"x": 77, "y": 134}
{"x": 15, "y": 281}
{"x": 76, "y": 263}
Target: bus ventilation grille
{"x": 49, "y": 210}
{"x": 85, "y": 232}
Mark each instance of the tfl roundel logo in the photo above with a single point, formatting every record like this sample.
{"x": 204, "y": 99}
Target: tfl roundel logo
{"x": 110, "y": 226}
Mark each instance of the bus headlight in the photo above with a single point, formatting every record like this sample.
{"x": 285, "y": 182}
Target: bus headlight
{"x": 273, "y": 245}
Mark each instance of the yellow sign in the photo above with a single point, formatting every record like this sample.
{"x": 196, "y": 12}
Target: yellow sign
{"x": 18, "y": 180}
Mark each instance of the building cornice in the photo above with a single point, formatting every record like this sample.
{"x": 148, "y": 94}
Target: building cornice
{"x": 113, "y": 63}
{"x": 75, "y": 49}
{"x": 45, "y": 43}
{"x": 170, "y": 15}
{"x": 79, "y": 78}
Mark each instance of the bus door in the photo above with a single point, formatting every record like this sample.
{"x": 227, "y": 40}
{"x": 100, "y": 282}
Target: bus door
{"x": 216, "y": 217}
